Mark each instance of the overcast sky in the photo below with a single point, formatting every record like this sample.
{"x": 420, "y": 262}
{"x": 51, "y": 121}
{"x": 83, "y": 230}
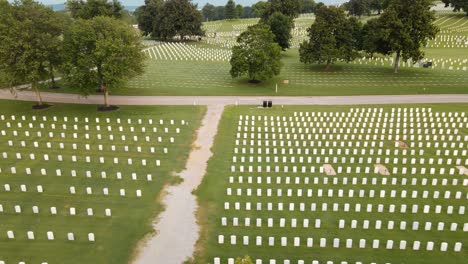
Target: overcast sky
{"x": 200, "y": 2}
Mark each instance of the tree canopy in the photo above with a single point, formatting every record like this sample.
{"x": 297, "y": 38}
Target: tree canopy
{"x": 289, "y": 8}
{"x": 148, "y": 15}
{"x": 209, "y": 12}
{"x": 102, "y": 52}
{"x": 168, "y": 19}
{"x": 230, "y": 11}
{"x": 307, "y": 6}
{"x": 406, "y": 27}
{"x": 87, "y": 9}
{"x": 457, "y": 5}
{"x": 332, "y": 37}
{"x": 281, "y": 26}
{"x": 358, "y": 7}
{"x": 30, "y": 38}
{"x": 256, "y": 54}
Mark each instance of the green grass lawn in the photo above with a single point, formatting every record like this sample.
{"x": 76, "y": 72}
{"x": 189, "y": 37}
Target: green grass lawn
{"x": 212, "y": 194}
{"x": 116, "y": 236}
{"x": 361, "y": 77}
{"x": 212, "y": 78}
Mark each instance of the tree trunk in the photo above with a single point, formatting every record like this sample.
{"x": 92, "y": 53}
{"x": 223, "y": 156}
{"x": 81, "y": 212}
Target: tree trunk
{"x": 327, "y": 67}
{"x": 106, "y": 95}
{"x": 52, "y": 77}
{"x": 38, "y": 93}
{"x": 397, "y": 62}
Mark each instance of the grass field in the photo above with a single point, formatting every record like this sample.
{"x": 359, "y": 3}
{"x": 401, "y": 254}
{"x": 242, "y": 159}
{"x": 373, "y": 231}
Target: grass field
{"x": 213, "y": 192}
{"x": 117, "y": 235}
{"x": 212, "y": 78}
{"x": 189, "y": 75}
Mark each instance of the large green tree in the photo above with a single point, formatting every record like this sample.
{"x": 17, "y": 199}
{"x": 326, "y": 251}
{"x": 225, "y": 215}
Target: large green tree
{"x": 180, "y": 18}
{"x": 209, "y": 12}
{"x": 358, "y": 7}
{"x": 230, "y": 10}
{"x": 87, "y": 9}
{"x": 457, "y": 5}
{"x": 281, "y": 26}
{"x": 167, "y": 19}
{"x": 332, "y": 38}
{"x": 307, "y": 6}
{"x": 259, "y": 8}
{"x": 239, "y": 11}
{"x": 102, "y": 52}
{"x": 289, "y": 8}
{"x": 378, "y": 5}
{"x": 148, "y": 16}
{"x": 30, "y": 38}
{"x": 373, "y": 37}
{"x": 256, "y": 54}
{"x": 407, "y": 26}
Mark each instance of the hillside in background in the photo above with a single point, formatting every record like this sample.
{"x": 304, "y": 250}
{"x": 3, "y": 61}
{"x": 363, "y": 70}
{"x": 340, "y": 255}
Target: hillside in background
{"x": 201, "y": 3}
{"x": 251, "y": 2}
{"x": 59, "y": 7}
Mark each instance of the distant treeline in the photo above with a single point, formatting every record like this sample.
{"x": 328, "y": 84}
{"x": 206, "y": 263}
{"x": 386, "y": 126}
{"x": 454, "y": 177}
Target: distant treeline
{"x": 233, "y": 11}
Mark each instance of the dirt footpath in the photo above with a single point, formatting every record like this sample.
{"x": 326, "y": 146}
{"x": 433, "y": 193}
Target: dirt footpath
{"x": 176, "y": 227}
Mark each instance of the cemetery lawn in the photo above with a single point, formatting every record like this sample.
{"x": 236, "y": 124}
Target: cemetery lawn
{"x": 116, "y": 236}
{"x": 212, "y": 195}
{"x": 208, "y": 78}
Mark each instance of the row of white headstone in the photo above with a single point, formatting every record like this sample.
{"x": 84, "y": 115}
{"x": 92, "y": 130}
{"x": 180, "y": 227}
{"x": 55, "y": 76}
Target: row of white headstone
{"x": 339, "y": 180}
{"x": 64, "y": 127}
{"x": 86, "y": 136}
{"x": 53, "y": 210}
{"x": 97, "y": 120}
{"x": 74, "y": 146}
{"x": 344, "y": 170}
{"x": 281, "y": 222}
{"x": 345, "y": 208}
{"x": 337, "y": 243}
{"x": 105, "y": 191}
{"x": 350, "y": 193}
{"x": 73, "y": 173}
{"x": 50, "y": 236}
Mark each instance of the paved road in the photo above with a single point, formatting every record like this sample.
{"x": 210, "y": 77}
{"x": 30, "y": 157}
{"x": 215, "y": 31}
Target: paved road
{"x": 242, "y": 100}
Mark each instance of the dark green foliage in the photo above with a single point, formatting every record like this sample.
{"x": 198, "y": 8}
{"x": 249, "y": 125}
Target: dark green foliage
{"x": 30, "y": 42}
{"x": 239, "y": 11}
{"x": 333, "y": 37}
{"x": 102, "y": 52}
{"x": 307, "y": 6}
{"x": 167, "y": 19}
{"x": 289, "y": 8}
{"x": 148, "y": 14}
{"x": 248, "y": 13}
{"x": 230, "y": 10}
{"x": 378, "y": 5}
{"x": 457, "y": 5}
{"x": 93, "y": 8}
{"x": 373, "y": 37}
{"x": 406, "y": 27}
{"x": 220, "y": 12}
{"x": 209, "y": 12}
{"x": 358, "y": 7}
{"x": 179, "y": 18}
{"x": 259, "y": 8}
{"x": 256, "y": 54}
{"x": 281, "y": 26}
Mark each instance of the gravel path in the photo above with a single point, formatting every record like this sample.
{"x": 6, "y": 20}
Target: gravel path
{"x": 177, "y": 226}
{"x": 243, "y": 100}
